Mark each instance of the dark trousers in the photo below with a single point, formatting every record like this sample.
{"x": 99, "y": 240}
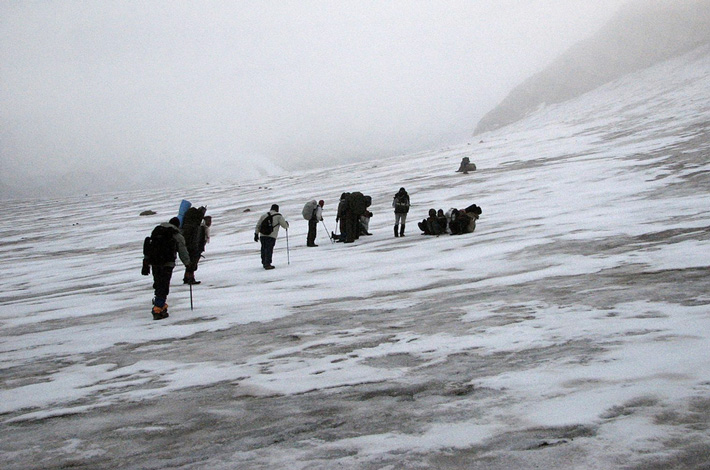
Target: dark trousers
{"x": 161, "y": 283}
{"x": 267, "y": 249}
{"x": 352, "y": 229}
{"x": 195, "y": 258}
{"x": 312, "y": 229}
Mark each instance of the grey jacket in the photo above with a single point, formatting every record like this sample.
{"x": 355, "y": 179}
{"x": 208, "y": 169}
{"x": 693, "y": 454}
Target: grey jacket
{"x": 279, "y": 221}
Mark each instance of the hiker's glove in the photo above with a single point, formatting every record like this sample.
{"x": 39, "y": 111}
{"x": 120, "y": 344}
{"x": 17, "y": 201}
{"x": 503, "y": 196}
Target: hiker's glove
{"x": 146, "y": 269}
{"x": 256, "y": 237}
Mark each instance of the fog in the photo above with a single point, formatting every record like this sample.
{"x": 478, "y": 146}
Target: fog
{"x": 106, "y": 95}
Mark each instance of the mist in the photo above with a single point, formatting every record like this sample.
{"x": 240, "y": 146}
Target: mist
{"x": 109, "y": 95}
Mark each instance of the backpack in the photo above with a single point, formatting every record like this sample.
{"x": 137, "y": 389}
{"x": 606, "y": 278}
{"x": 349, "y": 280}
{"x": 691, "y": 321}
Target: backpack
{"x": 267, "y": 225}
{"x": 160, "y": 247}
{"x": 401, "y": 204}
{"x": 191, "y": 228}
{"x": 358, "y": 203}
{"x": 309, "y": 209}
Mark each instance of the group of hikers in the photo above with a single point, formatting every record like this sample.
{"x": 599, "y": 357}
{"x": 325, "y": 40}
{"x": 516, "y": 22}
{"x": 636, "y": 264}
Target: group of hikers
{"x": 454, "y": 221}
{"x": 186, "y": 235}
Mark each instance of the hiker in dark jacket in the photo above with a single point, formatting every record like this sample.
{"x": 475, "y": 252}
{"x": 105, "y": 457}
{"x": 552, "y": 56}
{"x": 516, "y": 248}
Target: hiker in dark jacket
{"x": 401, "y": 208}
{"x": 464, "y": 220}
{"x": 430, "y": 225}
{"x": 268, "y": 241}
{"x": 162, "y": 272}
{"x": 340, "y": 217}
{"x": 441, "y": 219}
{"x": 466, "y": 166}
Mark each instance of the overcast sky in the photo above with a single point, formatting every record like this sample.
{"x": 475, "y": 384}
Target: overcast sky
{"x": 94, "y": 85}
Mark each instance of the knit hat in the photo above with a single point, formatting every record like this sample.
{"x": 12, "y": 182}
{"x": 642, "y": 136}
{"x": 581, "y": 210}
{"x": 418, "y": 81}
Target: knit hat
{"x": 275, "y": 207}
{"x": 321, "y": 203}
{"x": 174, "y": 221}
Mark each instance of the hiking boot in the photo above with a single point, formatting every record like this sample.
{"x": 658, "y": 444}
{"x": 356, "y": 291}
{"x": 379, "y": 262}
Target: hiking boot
{"x": 311, "y": 244}
{"x": 268, "y": 266}
{"x": 191, "y": 281}
{"x": 160, "y": 313}
{"x": 396, "y": 231}
{"x": 401, "y": 230}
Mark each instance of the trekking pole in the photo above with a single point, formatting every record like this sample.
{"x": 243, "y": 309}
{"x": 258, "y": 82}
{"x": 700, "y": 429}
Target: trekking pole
{"x": 327, "y": 231}
{"x": 191, "y": 297}
{"x": 288, "y": 251}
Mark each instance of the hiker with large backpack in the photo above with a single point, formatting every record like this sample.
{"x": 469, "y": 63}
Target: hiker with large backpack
{"x": 313, "y": 213}
{"x": 159, "y": 252}
{"x": 191, "y": 232}
{"x": 401, "y": 208}
{"x": 357, "y": 204}
{"x": 267, "y": 230}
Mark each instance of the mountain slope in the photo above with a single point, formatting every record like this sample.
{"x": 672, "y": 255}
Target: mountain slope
{"x": 570, "y": 330}
{"x": 643, "y": 33}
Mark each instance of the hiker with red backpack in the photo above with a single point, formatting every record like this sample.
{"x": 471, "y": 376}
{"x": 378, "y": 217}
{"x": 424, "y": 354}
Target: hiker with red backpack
{"x": 159, "y": 253}
{"x": 267, "y": 230}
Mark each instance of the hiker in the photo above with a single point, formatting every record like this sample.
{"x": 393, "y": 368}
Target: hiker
{"x": 191, "y": 226}
{"x": 267, "y": 229}
{"x": 430, "y": 225}
{"x": 357, "y": 204}
{"x": 313, "y": 212}
{"x": 464, "y": 220}
{"x": 159, "y": 252}
{"x": 365, "y": 222}
{"x": 203, "y": 238}
{"x": 401, "y": 207}
{"x": 364, "y": 217}
{"x": 466, "y": 166}
{"x": 441, "y": 220}
{"x": 340, "y": 216}
{"x": 204, "y": 235}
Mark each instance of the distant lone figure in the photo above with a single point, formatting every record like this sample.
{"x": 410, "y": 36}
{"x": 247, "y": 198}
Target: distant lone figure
{"x": 466, "y": 166}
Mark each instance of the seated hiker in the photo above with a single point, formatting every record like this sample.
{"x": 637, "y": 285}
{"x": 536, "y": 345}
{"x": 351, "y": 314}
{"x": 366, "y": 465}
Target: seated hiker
{"x": 424, "y": 225}
{"x": 474, "y": 209}
{"x": 466, "y": 166}
{"x": 451, "y": 217}
{"x": 464, "y": 220}
{"x": 441, "y": 219}
{"x": 431, "y": 225}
